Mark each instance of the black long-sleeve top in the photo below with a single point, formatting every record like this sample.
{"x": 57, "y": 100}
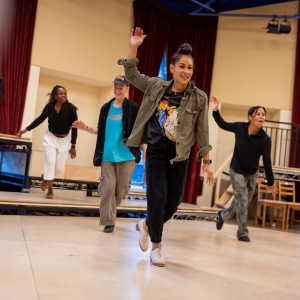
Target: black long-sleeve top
{"x": 248, "y": 148}
{"x": 58, "y": 123}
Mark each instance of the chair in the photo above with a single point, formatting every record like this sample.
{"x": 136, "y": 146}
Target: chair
{"x": 287, "y": 188}
{"x": 265, "y": 203}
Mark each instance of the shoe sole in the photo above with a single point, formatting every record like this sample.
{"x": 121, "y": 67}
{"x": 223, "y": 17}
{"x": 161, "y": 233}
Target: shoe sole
{"x": 245, "y": 241}
{"x": 137, "y": 227}
{"x": 157, "y": 264}
{"x": 222, "y": 222}
{"x": 50, "y": 196}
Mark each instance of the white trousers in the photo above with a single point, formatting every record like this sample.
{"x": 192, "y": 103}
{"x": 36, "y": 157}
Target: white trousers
{"x": 56, "y": 154}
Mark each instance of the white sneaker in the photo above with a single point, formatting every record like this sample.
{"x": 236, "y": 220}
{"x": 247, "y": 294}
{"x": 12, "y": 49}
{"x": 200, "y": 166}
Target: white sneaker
{"x": 157, "y": 258}
{"x": 144, "y": 235}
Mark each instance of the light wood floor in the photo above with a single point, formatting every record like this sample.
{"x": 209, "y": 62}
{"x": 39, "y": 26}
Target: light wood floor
{"x": 72, "y": 258}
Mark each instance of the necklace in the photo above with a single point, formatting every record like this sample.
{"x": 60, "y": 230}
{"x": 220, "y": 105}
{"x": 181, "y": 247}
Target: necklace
{"x": 177, "y": 92}
{"x": 116, "y": 105}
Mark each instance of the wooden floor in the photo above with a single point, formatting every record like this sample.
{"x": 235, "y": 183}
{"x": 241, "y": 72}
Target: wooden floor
{"x": 72, "y": 258}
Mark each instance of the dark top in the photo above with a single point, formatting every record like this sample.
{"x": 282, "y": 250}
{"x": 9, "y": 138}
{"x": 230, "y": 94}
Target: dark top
{"x": 130, "y": 110}
{"x": 57, "y": 122}
{"x": 169, "y": 103}
{"x": 248, "y": 148}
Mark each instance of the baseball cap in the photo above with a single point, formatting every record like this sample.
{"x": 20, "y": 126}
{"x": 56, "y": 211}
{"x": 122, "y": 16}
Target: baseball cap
{"x": 121, "y": 80}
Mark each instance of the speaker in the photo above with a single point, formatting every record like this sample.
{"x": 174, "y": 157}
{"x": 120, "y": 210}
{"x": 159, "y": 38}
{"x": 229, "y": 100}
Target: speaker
{"x": 1, "y": 88}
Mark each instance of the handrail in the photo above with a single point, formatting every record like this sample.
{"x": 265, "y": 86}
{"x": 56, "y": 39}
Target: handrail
{"x": 218, "y": 174}
{"x": 223, "y": 165}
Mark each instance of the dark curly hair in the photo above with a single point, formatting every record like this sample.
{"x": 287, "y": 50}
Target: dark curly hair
{"x": 184, "y": 49}
{"x": 52, "y": 101}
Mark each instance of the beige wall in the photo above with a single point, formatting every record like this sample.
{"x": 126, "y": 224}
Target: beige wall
{"x": 253, "y": 67}
{"x": 82, "y": 38}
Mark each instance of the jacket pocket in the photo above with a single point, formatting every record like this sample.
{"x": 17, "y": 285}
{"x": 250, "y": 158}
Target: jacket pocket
{"x": 150, "y": 94}
{"x": 189, "y": 118}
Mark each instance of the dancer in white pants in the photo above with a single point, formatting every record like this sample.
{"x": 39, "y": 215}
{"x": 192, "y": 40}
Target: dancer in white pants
{"x": 58, "y": 142}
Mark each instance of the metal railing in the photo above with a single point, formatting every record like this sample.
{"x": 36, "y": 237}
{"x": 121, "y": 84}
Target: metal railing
{"x": 285, "y": 140}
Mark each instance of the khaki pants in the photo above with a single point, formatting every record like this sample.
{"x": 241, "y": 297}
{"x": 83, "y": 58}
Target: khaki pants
{"x": 113, "y": 187}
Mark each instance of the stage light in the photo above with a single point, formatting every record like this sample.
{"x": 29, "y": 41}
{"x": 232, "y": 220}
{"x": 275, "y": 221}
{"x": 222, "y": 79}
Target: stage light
{"x": 285, "y": 26}
{"x": 273, "y": 26}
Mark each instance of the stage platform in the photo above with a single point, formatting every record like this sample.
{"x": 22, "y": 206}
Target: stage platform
{"x": 67, "y": 200}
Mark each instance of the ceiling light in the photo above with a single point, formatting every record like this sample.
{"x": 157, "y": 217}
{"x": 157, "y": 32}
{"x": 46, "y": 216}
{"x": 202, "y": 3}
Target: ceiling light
{"x": 273, "y": 26}
{"x": 285, "y": 26}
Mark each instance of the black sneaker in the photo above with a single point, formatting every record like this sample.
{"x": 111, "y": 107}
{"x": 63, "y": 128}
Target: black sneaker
{"x": 109, "y": 228}
{"x": 244, "y": 239}
{"x": 220, "y": 221}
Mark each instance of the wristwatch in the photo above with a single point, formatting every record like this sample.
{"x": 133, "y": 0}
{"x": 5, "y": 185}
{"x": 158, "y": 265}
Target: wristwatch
{"x": 207, "y": 161}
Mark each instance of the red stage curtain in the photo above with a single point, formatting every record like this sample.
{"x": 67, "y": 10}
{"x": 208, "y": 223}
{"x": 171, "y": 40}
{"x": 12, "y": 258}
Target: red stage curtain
{"x": 17, "y": 20}
{"x": 156, "y": 24}
{"x": 295, "y": 163}
{"x": 200, "y": 33}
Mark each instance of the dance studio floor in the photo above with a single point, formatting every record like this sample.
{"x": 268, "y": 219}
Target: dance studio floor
{"x": 46, "y": 257}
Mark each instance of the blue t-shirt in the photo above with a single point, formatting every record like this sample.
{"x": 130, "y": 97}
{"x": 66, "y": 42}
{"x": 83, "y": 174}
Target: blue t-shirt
{"x": 114, "y": 150}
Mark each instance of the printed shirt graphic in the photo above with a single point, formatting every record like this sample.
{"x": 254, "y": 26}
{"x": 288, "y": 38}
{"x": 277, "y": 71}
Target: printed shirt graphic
{"x": 167, "y": 111}
{"x": 114, "y": 150}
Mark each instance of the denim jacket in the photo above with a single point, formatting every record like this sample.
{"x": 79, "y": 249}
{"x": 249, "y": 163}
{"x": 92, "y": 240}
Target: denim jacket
{"x": 192, "y": 113}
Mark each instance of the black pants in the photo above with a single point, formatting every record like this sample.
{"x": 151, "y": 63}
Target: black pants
{"x": 165, "y": 181}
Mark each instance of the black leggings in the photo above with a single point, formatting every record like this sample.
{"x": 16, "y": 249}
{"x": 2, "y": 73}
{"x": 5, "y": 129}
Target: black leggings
{"x": 165, "y": 182}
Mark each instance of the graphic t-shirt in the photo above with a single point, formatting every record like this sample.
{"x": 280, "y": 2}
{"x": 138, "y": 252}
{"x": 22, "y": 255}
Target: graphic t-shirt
{"x": 166, "y": 113}
{"x": 114, "y": 150}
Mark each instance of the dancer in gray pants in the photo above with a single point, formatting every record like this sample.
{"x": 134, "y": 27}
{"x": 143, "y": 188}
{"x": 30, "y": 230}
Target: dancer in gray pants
{"x": 117, "y": 161}
{"x": 251, "y": 142}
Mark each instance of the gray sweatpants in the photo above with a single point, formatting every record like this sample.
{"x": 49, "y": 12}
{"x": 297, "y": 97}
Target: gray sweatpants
{"x": 243, "y": 189}
{"x": 113, "y": 187}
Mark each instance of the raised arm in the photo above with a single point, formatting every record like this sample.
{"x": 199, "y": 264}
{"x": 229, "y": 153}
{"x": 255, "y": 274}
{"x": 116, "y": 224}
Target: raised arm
{"x": 136, "y": 39}
{"x": 214, "y": 103}
{"x": 82, "y": 126}
{"x": 132, "y": 74}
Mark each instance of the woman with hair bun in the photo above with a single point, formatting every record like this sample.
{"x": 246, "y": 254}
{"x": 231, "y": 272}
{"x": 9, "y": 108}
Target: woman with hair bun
{"x": 172, "y": 117}
{"x": 58, "y": 143}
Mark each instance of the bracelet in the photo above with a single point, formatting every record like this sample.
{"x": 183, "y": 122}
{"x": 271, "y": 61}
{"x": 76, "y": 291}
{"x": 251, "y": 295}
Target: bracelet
{"x": 72, "y": 146}
{"x": 87, "y": 128}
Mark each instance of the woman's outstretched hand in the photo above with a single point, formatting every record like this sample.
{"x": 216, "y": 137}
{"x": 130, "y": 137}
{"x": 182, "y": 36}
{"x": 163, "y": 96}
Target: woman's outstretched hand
{"x": 214, "y": 103}
{"x": 272, "y": 189}
{"x": 210, "y": 180}
{"x": 72, "y": 152}
{"x": 19, "y": 134}
{"x": 79, "y": 125}
{"x": 137, "y": 37}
